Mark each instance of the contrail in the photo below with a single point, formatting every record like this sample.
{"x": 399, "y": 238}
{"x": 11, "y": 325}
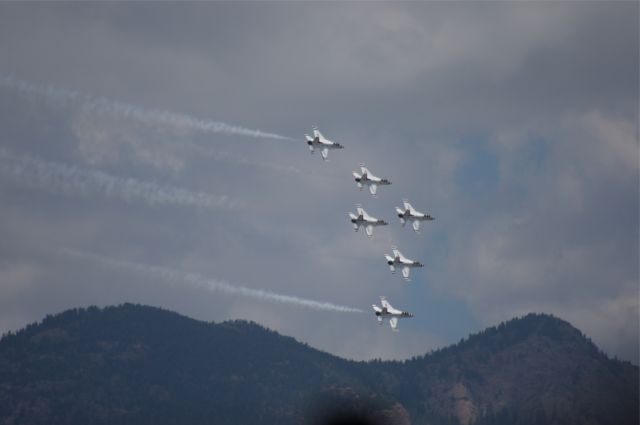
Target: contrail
{"x": 137, "y": 113}
{"x": 71, "y": 180}
{"x": 229, "y": 157}
{"x": 199, "y": 281}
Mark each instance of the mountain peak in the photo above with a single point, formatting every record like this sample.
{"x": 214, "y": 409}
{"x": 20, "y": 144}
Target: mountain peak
{"x": 140, "y": 364}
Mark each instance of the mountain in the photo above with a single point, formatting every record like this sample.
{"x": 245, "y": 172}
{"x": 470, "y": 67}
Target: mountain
{"x": 133, "y": 364}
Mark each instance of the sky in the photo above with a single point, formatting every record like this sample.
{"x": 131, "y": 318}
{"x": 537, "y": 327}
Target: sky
{"x": 154, "y": 153}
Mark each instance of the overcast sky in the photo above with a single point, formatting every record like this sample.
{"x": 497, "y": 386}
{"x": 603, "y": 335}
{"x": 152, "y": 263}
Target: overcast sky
{"x": 132, "y": 168}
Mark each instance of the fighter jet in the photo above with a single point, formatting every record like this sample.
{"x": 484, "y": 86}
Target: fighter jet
{"x": 400, "y": 260}
{"x": 387, "y": 311}
{"x": 365, "y": 220}
{"x": 411, "y": 214}
{"x": 368, "y": 179}
{"x": 319, "y": 141}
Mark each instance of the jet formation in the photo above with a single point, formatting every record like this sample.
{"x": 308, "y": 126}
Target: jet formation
{"x": 406, "y": 213}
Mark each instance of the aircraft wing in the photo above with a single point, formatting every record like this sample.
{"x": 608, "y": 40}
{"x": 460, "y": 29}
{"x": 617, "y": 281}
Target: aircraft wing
{"x": 416, "y": 226}
{"x": 385, "y": 303}
{"x": 325, "y": 153}
{"x": 376, "y": 308}
{"x": 369, "y": 230}
{"x": 406, "y": 271}
{"x": 373, "y": 188}
{"x": 394, "y": 323}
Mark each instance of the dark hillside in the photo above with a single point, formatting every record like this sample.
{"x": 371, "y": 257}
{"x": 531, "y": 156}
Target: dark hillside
{"x": 536, "y": 369}
{"x": 135, "y": 365}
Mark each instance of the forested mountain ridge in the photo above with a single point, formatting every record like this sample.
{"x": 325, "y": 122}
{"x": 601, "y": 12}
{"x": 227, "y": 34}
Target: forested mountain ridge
{"x": 134, "y": 364}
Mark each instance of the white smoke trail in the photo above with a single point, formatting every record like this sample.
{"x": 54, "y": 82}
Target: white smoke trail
{"x": 137, "y": 113}
{"x": 71, "y": 180}
{"x": 198, "y": 281}
{"x": 229, "y": 157}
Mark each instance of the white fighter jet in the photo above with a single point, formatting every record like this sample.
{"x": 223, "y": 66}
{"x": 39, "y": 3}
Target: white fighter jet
{"x": 362, "y": 219}
{"x": 366, "y": 178}
{"x": 388, "y": 312}
{"x": 320, "y": 142}
{"x": 411, "y": 214}
{"x": 399, "y": 260}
